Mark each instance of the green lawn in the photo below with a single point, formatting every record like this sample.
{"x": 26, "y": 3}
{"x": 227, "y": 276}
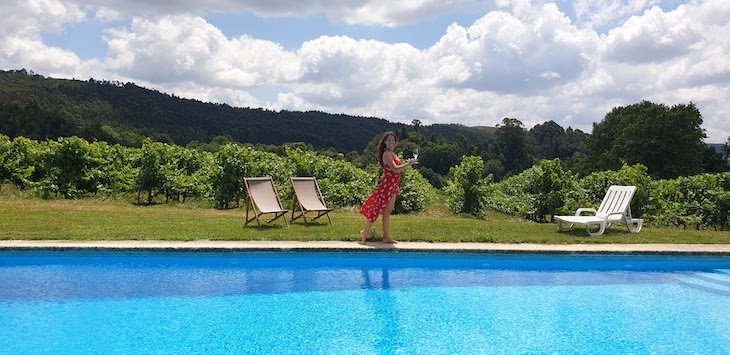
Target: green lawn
{"x": 94, "y": 219}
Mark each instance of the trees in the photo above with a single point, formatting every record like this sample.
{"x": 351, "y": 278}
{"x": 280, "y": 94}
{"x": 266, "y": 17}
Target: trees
{"x": 549, "y": 138}
{"x": 150, "y": 163}
{"x": 512, "y": 142}
{"x": 440, "y": 157}
{"x": 667, "y": 140}
{"x": 712, "y": 161}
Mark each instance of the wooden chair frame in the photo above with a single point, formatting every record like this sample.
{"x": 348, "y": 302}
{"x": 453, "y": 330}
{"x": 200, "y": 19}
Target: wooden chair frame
{"x": 296, "y": 202}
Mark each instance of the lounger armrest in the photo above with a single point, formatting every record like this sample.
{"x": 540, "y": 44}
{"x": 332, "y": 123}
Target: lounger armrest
{"x": 623, "y": 214}
{"x": 581, "y": 210}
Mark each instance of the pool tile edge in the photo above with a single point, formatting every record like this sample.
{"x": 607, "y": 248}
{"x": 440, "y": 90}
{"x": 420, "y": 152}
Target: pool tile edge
{"x": 209, "y": 245}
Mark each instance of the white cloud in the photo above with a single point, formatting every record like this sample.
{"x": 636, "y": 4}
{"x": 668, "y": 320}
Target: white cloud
{"x": 20, "y": 35}
{"x": 528, "y": 60}
{"x": 597, "y": 13}
{"x": 341, "y": 70}
{"x": 508, "y": 54}
{"x": 27, "y": 18}
{"x": 184, "y": 48}
{"x": 550, "y": 75}
{"x": 108, "y": 15}
{"x": 20, "y": 52}
{"x": 354, "y": 12}
{"x": 395, "y": 13}
{"x": 654, "y": 37}
{"x": 695, "y": 58}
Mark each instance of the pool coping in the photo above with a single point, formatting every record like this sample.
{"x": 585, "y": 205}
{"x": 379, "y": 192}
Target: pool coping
{"x": 213, "y": 245}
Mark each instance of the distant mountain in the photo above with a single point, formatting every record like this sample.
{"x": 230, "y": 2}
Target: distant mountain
{"x": 38, "y": 107}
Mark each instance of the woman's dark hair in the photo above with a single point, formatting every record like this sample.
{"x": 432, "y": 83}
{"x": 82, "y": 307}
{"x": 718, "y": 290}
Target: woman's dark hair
{"x": 381, "y": 146}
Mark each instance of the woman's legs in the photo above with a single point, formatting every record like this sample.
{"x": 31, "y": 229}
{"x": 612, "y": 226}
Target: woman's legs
{"x": 364, "y": 233}
{"x": 386, "y": 221}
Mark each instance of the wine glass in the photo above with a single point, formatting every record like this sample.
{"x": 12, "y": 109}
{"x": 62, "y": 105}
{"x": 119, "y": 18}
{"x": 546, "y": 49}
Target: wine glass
{"x": 415, "y": 154}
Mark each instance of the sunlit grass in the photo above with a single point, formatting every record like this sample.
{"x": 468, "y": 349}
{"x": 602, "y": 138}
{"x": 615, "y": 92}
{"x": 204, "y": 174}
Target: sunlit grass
{"x": 28, "y": 218}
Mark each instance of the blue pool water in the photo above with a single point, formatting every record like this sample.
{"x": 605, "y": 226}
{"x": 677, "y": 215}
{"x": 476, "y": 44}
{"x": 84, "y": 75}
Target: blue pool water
{"x": 260, "y": 302}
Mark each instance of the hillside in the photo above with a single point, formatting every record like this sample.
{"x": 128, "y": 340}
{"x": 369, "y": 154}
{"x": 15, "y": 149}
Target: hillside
{"x": 38, "y": 107}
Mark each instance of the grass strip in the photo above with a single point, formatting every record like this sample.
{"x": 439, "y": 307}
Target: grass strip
{"x": 29, "y": 218}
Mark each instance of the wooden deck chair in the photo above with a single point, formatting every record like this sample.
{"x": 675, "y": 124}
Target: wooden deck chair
{"x": 615, "y": 208}
{"x": 308, "y": 197}
{"x": 262, "y": 195}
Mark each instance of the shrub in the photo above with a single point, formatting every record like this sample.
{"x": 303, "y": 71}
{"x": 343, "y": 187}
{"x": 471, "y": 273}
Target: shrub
{"x": 415, "y": 192}
{"x": 115, "y": 172}
{"x": 234, "y": 162}
{"x": 187, "y": 173}
{"x": 695, "y": 201}
{"x": 24, "y": 162}
{"x": 465, "y": 191}
{"x": 535, "y": 193}
{"x": 70, "y": 164}
{"x": 341, "y": 182}
{"x": 5, "y": 145}
{"x": 592, "y": 188}
{"x": 345, "y": 185}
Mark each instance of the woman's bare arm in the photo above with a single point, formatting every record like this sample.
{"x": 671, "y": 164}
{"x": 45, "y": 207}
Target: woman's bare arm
{"x": 389, "y": 159}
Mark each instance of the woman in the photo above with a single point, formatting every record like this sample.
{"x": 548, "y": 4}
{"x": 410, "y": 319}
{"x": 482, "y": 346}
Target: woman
{"x": 381, "y": 201}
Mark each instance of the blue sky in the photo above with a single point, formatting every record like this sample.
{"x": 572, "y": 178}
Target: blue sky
{"x": 471, "y": 62}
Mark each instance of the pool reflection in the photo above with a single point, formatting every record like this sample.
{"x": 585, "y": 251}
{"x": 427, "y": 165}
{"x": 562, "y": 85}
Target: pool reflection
{"x": 64, "y": 276}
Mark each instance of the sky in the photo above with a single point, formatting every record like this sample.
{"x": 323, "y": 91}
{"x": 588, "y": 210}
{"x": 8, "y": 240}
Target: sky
{"x": 471, "y": 62}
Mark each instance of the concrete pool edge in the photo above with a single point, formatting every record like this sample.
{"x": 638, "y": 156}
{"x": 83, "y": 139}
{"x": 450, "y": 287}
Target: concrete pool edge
{"x": 211, "y": 245}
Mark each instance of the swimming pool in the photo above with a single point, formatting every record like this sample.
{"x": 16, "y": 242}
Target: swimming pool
{"x": 304, "y": 302}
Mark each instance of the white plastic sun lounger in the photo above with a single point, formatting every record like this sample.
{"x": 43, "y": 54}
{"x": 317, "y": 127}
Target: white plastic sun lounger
{"x": 615, "y": 208}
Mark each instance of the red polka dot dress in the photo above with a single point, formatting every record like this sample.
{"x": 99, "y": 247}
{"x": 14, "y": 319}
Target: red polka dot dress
{"x": 386, "y": 190}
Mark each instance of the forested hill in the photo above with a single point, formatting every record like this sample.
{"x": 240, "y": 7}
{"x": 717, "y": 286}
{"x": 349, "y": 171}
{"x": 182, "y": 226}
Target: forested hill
{"x": 40, "y": 108}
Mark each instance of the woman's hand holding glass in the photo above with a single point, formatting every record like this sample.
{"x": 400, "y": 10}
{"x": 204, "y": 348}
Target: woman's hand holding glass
{"x": 414, "y": 161}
